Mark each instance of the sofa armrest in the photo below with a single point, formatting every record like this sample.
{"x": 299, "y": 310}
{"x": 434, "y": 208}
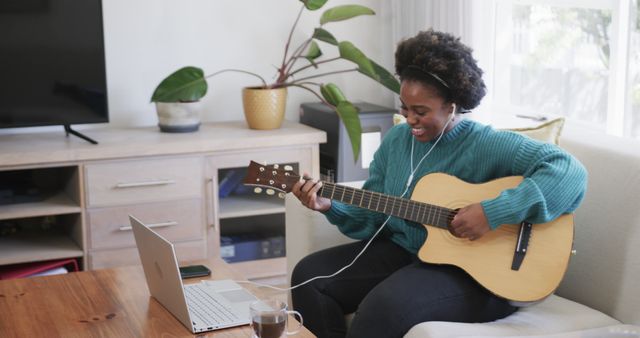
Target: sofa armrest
{"x": 605, "y": 272}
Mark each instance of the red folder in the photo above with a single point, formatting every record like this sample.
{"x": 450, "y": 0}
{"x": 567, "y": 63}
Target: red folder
{"x": 28, "y": 269}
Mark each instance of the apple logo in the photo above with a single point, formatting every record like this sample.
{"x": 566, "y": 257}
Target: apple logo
{"x": 158, "y": 269}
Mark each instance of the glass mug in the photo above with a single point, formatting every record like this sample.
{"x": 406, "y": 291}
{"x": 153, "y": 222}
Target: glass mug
{"x": 269, "y": 319}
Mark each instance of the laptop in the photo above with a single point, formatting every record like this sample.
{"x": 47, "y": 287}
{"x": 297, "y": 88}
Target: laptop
{"x": 201, "y": 307}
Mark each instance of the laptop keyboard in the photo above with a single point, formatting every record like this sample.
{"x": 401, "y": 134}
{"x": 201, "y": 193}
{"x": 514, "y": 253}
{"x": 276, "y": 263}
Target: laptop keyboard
{"x": 208, "y": 309}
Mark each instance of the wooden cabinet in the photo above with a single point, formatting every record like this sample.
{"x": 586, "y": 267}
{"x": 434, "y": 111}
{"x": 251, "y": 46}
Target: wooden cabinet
{"x": 254, "y": 214}
{"x": 41, "y": 214}
{"x": 138, "y": 181}
{"x": 167, "y": 180}
{"x": 179, "y": 220}
{"x": 163, "y": 192}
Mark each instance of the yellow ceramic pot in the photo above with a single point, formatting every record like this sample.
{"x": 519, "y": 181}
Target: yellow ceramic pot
{"x": 264, "y": 108}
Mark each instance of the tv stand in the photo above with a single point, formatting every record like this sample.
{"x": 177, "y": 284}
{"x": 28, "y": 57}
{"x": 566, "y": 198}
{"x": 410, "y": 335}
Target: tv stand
{"x": 68, "y": 130}
{"x": 172, "y": 181}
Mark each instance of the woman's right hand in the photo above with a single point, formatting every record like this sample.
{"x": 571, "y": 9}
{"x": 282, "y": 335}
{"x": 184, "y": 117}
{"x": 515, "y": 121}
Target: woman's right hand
{"x": 306, "y": 190}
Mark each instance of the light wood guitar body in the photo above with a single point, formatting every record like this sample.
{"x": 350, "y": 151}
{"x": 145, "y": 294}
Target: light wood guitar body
{"x": 488, "y": 259}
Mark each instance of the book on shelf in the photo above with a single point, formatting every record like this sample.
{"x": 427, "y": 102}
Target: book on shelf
{"x": 231, "y": 180}
{"x": 245, "y": 247}
{"x": 34, "y": 269}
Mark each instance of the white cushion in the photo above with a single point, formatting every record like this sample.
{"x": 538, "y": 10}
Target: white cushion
{"x": 612, "y": 331}
{"x": 553, "y": 315}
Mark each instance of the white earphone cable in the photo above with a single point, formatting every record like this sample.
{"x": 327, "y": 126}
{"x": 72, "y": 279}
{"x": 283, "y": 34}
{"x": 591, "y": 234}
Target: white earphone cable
{"x": 413, "y": 170}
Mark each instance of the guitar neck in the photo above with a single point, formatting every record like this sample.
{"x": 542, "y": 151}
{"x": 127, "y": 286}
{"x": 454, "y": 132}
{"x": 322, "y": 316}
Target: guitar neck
{"x": 390, "y": 205}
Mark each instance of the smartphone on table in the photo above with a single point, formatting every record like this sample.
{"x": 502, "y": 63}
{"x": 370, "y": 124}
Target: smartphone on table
{"x": 191, "y": 271}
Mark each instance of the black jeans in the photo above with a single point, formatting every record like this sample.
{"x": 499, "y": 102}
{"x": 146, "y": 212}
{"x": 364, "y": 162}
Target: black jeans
{"x": 389, "y": 289}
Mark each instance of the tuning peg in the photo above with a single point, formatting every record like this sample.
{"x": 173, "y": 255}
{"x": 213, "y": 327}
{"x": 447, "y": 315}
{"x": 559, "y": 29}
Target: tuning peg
{"x": 271, "y": 192}
{"x": 276, "y": 166}
{"x": 257, "y": 190}
{"x": 281, "y": 195}
{"x": 288, "y": 168}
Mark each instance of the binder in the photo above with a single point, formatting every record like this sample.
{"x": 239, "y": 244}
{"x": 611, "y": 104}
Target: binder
{"x": 230, "y": 181}
{"x": 29, "y": 269}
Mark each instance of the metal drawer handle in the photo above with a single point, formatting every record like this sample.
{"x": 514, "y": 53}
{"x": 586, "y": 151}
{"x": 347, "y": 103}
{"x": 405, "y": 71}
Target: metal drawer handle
{"x": 152, "y": 225}
{"x": 144, "y": 184}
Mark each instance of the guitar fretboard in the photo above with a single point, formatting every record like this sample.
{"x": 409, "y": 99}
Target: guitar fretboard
{"x": 423, "y": 213}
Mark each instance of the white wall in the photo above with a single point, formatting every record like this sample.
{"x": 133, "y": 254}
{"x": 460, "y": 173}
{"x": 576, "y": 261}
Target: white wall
{"x": 148, "y": 39}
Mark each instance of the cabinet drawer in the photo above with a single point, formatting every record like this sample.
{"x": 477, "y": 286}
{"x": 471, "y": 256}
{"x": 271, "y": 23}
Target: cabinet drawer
{"x": 122, "y": 183}
{"x": 175, "y": 221}
{"x": 186, "y": 252}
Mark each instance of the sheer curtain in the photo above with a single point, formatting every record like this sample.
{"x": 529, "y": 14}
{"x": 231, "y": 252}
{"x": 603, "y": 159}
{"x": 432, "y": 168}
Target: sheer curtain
{"x": 411, "y": 16}
{"x": 470, "y": 20}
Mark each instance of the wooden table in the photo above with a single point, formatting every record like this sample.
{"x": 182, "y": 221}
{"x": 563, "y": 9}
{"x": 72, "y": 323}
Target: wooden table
{"x": 101, "y": 303}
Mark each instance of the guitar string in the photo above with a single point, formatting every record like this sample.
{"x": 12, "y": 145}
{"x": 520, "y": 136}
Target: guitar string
{"x": 429, "y": 211}
{"x": 441, "y": 217}
{"x": 439, "y": 213}
{"x": 396, "y": 202}
{"x": 374, "y": 235}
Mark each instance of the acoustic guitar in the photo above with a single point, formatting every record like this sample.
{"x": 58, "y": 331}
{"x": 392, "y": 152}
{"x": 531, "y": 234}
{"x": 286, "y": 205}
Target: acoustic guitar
{"x": 519, "y": 262}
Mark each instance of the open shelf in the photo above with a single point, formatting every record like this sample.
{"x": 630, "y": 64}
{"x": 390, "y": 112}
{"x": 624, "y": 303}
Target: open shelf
{"x": 250, "y": 205}
{"x": 59, "y": 204}
{"x": 31, "y": 248}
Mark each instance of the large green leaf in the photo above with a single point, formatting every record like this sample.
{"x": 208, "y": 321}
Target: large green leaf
{"x": 383, "y": 76}
{"x": 344, "y": 12}
{"x": 325, "y": 36}
{"x": 332, "y": 93}
{"x": 313, "y": 53}
{"x": 184, "y": 85}
{"x": 312, "y": 5}
{"x": 349, "y": 115}
{"x": 350, "y": 52}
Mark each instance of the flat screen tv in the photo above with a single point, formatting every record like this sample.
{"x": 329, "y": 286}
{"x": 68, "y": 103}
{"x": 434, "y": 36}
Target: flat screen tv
{"x": 52, "y": 63}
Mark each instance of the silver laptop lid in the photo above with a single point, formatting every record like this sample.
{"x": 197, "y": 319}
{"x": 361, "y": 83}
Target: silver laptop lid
{"x": 161, "y": 271}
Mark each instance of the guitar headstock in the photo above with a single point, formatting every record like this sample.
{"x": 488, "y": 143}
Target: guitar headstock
{"x": 270, "y": 177}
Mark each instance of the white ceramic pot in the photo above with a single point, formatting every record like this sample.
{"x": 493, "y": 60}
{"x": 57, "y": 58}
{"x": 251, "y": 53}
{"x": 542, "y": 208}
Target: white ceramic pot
{"x": 178, "y": 117}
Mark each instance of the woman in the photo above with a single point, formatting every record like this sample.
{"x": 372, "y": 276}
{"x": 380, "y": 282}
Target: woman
{"x": 388, "y": 287}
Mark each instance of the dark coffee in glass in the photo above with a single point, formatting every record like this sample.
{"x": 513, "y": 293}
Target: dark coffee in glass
{"x": 269, "y": 319}
{"x": 268, "y": 326}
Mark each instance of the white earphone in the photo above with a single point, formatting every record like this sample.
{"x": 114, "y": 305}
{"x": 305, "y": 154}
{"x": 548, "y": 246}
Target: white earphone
{"x": 409, "y": 181}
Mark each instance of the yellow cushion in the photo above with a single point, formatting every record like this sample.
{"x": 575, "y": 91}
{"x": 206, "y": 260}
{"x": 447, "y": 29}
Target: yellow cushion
{"x": 397, "y": 119}
{"x": 547, "y": 132}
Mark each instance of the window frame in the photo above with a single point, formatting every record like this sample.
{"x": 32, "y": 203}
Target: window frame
{"x": 619, "y": 81}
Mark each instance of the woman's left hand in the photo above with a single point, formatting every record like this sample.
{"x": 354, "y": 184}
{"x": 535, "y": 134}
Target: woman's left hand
{"x": 470, "y": 222}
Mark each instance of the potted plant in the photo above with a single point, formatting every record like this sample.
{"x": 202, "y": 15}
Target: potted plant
{"x": 189, "y": 84}
{"x": 177, "y": 100}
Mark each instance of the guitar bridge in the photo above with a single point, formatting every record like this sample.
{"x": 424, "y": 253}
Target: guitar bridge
{"x": 521, "y": 245}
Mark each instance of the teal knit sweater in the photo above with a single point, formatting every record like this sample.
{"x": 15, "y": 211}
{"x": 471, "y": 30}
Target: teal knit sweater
{"x": 554, "y": 181}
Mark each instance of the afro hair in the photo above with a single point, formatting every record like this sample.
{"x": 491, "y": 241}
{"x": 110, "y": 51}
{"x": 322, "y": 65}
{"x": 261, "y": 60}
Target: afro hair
{"x": 441, "y": 56}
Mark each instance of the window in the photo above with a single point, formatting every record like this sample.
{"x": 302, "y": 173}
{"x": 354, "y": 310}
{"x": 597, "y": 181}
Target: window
{"x": 573, "y": 58}
{"x": 632, "y": 120}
